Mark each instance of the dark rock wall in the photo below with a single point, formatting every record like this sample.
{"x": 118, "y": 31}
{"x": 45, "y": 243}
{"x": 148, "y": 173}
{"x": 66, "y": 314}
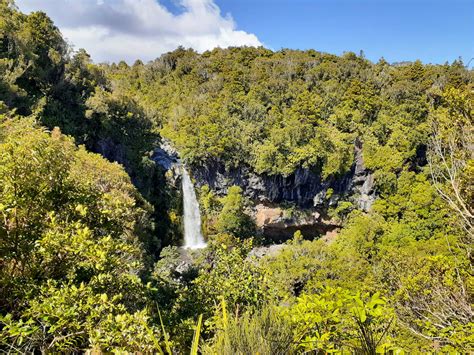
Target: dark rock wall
{"x": 305, "y": 187}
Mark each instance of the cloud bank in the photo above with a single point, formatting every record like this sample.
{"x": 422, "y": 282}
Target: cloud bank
{"x": 113, "y": 30}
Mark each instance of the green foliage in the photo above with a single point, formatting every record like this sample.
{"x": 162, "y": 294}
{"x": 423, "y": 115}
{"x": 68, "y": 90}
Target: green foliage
{"x": 71, "y": 230}
{"x": 77, "y": 239}
{"x": 342, "y": 210}
{"x": 232, "y": 218}
{"x": 226, "y": 215}
{"x": 278, "y": 112}
{"x": 409, "y": 248}
{"x": 39, "y": 76}
{"x": 197, "y": 334}
{"x": 434, "y": 300}
{"x": 65, "y": 317}
{"x": 208, "y": 201}
{"x": 265, "y": 332}
{"x": 290, "y": 270}
{"x": 230, "y": 276}
{"x": 335, "y": 320}
{"x": 450, "y": 157}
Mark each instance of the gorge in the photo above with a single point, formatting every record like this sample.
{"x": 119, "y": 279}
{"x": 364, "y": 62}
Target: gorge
{"x": 236, "y": 201}
{"x": 307, "y": 195}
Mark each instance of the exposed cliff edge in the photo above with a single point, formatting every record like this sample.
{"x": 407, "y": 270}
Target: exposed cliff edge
{"x": 166, "y": 157}
{"x": 305, "y": 189}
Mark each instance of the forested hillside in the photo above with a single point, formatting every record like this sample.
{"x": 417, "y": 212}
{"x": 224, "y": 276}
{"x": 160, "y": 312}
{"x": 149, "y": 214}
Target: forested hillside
{"x": 91, "y": 226}
{"x": 277, "y": 111}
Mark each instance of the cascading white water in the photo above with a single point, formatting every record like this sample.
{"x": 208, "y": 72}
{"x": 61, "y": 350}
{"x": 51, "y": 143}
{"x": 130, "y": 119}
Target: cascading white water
{"x": 193, "y": 238}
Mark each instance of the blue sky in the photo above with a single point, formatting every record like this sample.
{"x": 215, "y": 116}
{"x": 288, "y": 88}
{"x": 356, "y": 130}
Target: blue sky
{"x": 431, "y": 30}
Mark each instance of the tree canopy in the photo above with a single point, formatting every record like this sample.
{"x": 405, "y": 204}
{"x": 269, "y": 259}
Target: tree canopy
{"x": 90, "y": 227}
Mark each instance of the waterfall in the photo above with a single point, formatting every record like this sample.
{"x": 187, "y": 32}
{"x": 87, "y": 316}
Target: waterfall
{"x": 193, "y": 238}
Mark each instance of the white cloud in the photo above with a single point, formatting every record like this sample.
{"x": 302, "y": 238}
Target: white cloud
{"x": 112, "y": 30}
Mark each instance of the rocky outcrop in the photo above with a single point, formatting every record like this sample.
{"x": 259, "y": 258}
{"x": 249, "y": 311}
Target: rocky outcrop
{"x": 167, "y": 158}
{"x": 362, "y": 186}
{"x": 304, "y": 187}
{"x": 266, "y": 251}
{"x": 110, "y": 150}
{"x": 279, "y": 224}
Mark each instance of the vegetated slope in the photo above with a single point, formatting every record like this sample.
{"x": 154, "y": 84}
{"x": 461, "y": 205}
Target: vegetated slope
{"x": 295, "y": 118}
{"x": 77, "y": 240}
{"x": 41, "y": 77}
{"x": 277, "y": 111}
{"x": 72, "y": 235}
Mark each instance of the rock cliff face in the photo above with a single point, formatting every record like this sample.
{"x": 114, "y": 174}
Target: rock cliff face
{"x": 110, "y": 150}
{"x": 166, "y": 157}
{"x": 304, "y": 188}
{"x": 280, "y": 225}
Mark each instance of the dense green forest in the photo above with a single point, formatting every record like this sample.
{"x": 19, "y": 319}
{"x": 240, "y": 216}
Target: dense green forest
{"x": 90, "y": 226}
